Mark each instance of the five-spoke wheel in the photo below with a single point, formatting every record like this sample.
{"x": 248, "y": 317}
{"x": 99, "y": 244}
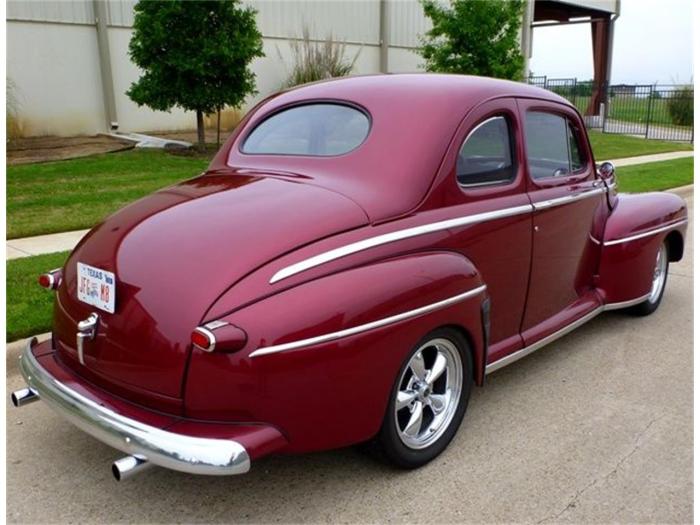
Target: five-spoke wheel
{"x": 658, "y": 283}
{"x": 429, "y": 399}
{"x": 428, "y": 394}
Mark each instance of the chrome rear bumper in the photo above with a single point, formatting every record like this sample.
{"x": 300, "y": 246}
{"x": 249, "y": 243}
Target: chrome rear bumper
{"x": 195, "y": 455}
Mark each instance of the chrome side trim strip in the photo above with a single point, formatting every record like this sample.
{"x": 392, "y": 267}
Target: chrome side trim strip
{"x": 543, "y": 205}
{"x": 510, "y": 358}
{"x": 170, "y": 450}
{"x": 372, "y": 242}
{"x": 368, "y": 326}
{"x": 647, "y": 233}
{"x": 626, "y": 304}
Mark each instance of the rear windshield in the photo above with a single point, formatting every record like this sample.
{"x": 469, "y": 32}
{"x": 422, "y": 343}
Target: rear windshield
{"x": 321, "y": 130}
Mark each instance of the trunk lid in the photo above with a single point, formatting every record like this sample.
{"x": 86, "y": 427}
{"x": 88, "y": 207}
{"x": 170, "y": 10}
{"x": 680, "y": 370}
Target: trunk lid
{"x": 173, "y": 253}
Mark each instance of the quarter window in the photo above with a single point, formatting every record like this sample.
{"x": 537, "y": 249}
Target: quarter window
{"x": 576, "y": 158}
{"x": 552, "y": 146}
{"x": 486, "y": 157}
{"x": 312, "y": 129}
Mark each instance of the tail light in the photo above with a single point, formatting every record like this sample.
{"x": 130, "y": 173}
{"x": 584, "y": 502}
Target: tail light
{"x": 51, "y": 280}
{"x": 218, "y": 336}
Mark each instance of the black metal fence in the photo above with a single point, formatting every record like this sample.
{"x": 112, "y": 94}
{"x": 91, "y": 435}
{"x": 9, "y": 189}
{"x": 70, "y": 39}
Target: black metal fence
{"x": 647, "y": 110}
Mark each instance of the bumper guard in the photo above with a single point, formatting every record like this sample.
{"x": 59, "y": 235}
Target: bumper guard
{"x": 194, "y": 455}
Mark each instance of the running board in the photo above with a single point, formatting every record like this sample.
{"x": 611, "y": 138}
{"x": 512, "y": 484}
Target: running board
{"x": 511, "y": 358}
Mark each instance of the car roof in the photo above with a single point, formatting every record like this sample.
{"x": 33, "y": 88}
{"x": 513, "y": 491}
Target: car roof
{"x": 450, "y": 88}
{"x": 414, "y": 119}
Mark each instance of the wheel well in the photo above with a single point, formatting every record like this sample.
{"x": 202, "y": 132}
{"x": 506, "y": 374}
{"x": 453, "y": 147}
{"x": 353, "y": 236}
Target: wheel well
{"x": 470, "y": 340}
{"x": 675, "y": 246}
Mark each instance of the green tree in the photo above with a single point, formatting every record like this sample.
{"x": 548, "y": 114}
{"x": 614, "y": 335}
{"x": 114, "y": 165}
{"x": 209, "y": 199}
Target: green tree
{"x": 194, "y": 55}
{"x": 476, "y": 37}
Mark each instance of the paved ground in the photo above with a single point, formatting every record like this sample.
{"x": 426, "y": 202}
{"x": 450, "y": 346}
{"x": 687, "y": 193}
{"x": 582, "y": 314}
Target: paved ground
{"x": 657, "y": 157}
{"x": 597, "y": 427}
{"x": 55, "y": 242}
{"x": 653, "y": 131}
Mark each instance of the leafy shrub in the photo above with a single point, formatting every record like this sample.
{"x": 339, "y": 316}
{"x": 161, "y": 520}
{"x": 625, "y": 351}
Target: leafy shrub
{"x": 318, "y": 60}
{"x": 195, "y": 55}
{"x": 680, "y": 106}
{"x": 472, "y": 37}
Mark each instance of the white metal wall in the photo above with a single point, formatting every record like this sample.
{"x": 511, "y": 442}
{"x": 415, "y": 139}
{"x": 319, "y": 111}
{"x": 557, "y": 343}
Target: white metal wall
{"x": 53, "y": 61}
{"x": 355, "y": 21}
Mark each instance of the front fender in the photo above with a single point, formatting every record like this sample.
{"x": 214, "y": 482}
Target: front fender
{"x": 633, "y": 234}
{"x": 334, "y": 393}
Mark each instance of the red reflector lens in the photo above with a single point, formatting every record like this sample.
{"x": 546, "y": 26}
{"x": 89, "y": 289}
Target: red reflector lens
{"x": 201, "y": 340}
{"x": 51, "y": 280}
{"x": 46, "y": 280}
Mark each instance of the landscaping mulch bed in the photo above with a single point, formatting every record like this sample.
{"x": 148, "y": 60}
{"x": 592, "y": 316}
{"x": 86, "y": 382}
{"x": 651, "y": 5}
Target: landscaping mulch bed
{"x": 46, "y": 149}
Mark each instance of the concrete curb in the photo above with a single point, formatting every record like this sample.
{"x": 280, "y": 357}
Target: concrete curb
{"x": 655, "y": 157}
{"x": 15, "y": 348}
{"x": 43, "y": 244}
{"x": 683, "y": 191}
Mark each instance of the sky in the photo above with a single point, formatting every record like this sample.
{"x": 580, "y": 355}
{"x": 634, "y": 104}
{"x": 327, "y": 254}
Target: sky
{"x": 653, "y": 43}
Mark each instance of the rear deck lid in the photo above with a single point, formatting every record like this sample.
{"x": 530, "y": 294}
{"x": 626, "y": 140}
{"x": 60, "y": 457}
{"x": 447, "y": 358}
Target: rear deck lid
{"x": 172, "y": 254}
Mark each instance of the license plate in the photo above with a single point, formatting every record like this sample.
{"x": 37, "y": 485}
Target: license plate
{"x": 96, "y": 287}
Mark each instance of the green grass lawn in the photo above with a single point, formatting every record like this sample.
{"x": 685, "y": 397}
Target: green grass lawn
{"x": 29, "y": 306}
{"x": 76, "y": 194}
{"x": 655, "y": 176}
{"x": 608, "y": 146}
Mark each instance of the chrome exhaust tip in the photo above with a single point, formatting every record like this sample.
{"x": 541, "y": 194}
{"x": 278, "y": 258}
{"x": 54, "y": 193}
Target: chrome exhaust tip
{"x": 24, "y": 396}
{"x": 129, "y": 466}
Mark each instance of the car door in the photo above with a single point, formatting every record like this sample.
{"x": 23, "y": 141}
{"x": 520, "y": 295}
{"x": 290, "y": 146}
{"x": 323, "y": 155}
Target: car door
{"x": 484, "y": 174}
{"x": 570, "y": 208}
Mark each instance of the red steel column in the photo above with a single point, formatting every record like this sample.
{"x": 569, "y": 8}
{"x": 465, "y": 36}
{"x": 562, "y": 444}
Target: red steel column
{"x": 600, "y": 32}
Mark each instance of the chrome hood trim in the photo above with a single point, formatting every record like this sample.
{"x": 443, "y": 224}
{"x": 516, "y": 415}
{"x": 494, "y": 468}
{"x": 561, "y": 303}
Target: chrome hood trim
{"x": 189, "y": 454}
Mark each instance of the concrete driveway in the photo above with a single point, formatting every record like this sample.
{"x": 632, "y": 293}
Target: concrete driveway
{"x": 597, "y": 427}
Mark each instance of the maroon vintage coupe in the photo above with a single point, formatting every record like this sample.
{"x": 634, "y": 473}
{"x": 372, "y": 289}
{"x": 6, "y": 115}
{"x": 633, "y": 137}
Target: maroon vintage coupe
{"x": 356, "y": 257}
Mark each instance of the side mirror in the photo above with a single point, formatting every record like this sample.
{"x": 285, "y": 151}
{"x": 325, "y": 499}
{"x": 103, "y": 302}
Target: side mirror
{"x": 606, "y": 171}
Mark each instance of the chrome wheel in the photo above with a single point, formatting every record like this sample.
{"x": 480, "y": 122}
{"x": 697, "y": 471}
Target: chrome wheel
{"x": 428, "y": 393}
{"x": 659, "y": 278}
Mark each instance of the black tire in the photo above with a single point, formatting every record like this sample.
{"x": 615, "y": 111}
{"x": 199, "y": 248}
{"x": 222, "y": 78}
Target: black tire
{"x": 388, "y": 442}
{"x": 649, "y": 306}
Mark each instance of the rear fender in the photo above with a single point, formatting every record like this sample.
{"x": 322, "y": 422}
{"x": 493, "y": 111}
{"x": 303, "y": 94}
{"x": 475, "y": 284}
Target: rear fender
{"x": 332, "y": 393}
{"x": 633, "y": 234}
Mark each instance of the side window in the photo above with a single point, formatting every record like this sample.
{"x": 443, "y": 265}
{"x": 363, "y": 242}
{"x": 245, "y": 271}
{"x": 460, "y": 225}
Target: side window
{"x": 552, "y": 147}
{"x": 576, "y": 158}
{"x": 486, "y": 157}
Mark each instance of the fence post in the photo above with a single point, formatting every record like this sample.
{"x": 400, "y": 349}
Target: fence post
{"x": 575, "y": 90}
{"x": 603, "y": 111}
{"x": 646, "y": 133}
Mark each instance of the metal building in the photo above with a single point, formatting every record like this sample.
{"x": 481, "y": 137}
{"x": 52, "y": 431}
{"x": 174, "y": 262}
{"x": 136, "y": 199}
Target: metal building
{"x": 68, "y": 65}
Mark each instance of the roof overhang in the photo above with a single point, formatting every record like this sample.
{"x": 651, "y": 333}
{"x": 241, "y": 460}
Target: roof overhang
{"x": 550, "y": 12}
